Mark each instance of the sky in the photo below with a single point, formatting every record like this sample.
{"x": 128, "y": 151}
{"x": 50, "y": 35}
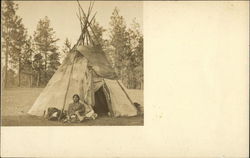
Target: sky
{"x": 64, "y": 21}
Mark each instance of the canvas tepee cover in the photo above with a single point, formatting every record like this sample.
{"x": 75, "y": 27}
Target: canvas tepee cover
{"x": 75, "y": 77}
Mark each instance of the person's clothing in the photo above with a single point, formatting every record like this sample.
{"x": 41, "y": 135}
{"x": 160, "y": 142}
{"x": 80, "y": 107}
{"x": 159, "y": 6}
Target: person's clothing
{"x": 91, "y": 114}
{"x": 77, "y": 112}
{"x": 76, "y": 107}
{"x": 54, "y": 114}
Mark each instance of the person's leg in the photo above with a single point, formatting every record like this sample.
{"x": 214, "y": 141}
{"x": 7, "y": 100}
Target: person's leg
{"x": 81, "y": 118}
{"x": 91, "y": 115}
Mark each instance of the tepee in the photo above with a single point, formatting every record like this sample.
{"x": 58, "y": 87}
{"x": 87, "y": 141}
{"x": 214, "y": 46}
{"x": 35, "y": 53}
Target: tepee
{"x": 85, "y": 71}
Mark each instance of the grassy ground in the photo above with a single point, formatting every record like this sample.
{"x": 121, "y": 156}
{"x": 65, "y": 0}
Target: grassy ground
{"x": 17, "y": 101}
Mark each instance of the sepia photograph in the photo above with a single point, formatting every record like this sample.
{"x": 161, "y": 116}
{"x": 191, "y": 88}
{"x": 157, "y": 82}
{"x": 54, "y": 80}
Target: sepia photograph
{"x": 124, "y": 79}
{"x": 72, "y": 63}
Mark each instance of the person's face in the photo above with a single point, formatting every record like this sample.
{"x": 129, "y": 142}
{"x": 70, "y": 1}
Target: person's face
{"x": 76, "y": 99}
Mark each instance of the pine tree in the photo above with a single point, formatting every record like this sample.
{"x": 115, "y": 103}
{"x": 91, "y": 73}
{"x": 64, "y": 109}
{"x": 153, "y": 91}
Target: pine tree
{"x": 66, "y": 48}
{"x": 45, "y": 42}
{"x": 136, "y": 58}
{"x": 28, "y": 52}
{"x": 14, "y": 35}
{"x": 98, "y": 34}
{"x": 54, "y": 63}
{"x": 38, "y": 66}
{"x": 19, "y": 35}
{"x": 127, "y": 47}
{"x": 8, "y": 22}
{"x": 120, "y": 43}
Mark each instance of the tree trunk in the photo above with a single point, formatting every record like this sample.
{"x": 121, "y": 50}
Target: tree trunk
{"x": 130, "y": 81}
{"x": 45, "y": 67}
{"x": 19, "y": 72}
{"x": 142, "y": 85}
{"x": 6, "y": 65}
{"x": 121, "y": 75}
{"x": 135, "y": 82}
{"x": 38, "y": 79}
{"x": 30, "y": 82}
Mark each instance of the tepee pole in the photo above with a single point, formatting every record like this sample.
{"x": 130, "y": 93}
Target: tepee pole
{"x": 125, "y": 92}
{"x": 66, "y": 93}
{"x": 86, "y": 17}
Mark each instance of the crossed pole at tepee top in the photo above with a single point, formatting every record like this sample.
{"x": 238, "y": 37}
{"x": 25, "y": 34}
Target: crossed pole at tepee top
{"x": 85, "y": 23}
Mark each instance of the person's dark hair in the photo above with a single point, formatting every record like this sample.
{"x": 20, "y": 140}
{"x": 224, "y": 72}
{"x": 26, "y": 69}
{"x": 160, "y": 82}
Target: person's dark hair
{"x": 76, "y": 95}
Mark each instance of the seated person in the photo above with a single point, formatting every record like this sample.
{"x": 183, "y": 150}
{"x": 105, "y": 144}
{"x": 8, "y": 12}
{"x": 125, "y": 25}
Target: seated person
{"x": 76, "y": 110}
